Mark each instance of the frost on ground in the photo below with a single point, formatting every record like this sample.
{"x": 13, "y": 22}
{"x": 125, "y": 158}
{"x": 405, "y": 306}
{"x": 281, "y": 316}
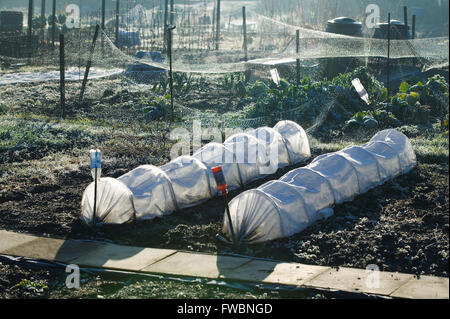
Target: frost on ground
{"x": 71, "y": 74}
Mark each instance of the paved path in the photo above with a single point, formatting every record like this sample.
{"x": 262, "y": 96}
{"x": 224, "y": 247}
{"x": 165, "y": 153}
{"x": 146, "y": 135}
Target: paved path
{"x": 246, "y": 269}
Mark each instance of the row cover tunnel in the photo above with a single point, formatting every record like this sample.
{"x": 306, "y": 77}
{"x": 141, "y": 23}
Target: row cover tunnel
{"x": 149, "y": 191}
{"x": 283, "y": 207}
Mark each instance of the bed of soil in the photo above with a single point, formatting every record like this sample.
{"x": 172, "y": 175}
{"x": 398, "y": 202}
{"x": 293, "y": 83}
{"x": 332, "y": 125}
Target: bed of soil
{"x": 401, "y": 226}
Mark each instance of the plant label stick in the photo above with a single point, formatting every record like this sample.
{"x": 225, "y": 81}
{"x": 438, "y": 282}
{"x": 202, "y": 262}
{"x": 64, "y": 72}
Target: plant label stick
{"x": 96, "y": 166}
{"x": 361, "y": 90}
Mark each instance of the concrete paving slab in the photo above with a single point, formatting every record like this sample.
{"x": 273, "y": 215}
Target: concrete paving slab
{"x": 294, "y": 274}
{"x": 171, "y": 262}
{"x": 52, "y": 249}
{"x": 9, "y": 240}
{"x": 274, "y": 272}
{"x": 122, "y": 257}
{"x": 196, "y": 265}
{"x": 427, "y": 287}
{"x": 359, "y": 280}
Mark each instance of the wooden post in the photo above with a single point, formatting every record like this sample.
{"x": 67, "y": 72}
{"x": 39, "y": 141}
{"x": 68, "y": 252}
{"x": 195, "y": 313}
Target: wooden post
{"x": 30, "y": 26}
{"x": 62, "y": 76}
{"x": 117, "y": 22}
{"x": 297, "y": 47}
{"x": 244, "y": 30}
{"x": 218, "y": 25}
{"x": 405, "y": 17}
{"x": 88, "y": 65}
{"x": 53, "y": 23}
{"x": 388, "y": 66}
{"x": 413, "y": 31}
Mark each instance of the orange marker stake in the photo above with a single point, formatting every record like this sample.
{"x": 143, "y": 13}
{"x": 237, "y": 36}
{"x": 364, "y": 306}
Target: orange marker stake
{"x": 222, "y": 186}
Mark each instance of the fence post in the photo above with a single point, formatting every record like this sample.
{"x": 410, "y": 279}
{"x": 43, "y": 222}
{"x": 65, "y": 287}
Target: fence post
{"x": 218, "y": 25}
{"x": 62, "y": 76}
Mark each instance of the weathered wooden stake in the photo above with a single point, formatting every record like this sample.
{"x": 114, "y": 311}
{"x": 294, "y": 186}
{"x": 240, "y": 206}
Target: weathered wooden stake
{"x": 62, "y": 76}
{"x": 88, "y": 65}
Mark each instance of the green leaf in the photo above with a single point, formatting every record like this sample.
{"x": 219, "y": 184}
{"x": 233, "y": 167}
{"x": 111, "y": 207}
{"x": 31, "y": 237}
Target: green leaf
{"x": 404, "y": 87}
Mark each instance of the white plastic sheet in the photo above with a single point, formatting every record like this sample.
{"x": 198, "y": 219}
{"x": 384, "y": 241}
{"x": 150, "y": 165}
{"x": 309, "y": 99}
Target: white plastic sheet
{"x": 302, "y": 196}
{"x": 149, "y": 191}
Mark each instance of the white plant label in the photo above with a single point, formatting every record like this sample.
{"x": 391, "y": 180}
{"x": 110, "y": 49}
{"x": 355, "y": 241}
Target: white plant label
{"x": 373, "y": 16}
{"x": 73, "y": 16}
{"x": 275, "y": 76}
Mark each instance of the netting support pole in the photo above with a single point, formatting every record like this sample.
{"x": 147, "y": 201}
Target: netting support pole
{"x": 169, "y": 43}
{"x": 53, "y": 23}
{"x": 218, "y": 25}
{"x": 62, "y": 88}
{"x": 166, "y": 25}
{"x": 413, "y": 31}
{"x": 405, "y": 17}
{"x": 88, "y": 65}
{"x": 117, "y": 22}
{"x": 103, "y": 20}
{"x": 172, "y": 16}
{"x": 244, "y": 31}
{"x": 388, "y": 66}
{"x": 297, "y": 49}
{"x": 30, "y": 27}
{"x": 42, "y": 8}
